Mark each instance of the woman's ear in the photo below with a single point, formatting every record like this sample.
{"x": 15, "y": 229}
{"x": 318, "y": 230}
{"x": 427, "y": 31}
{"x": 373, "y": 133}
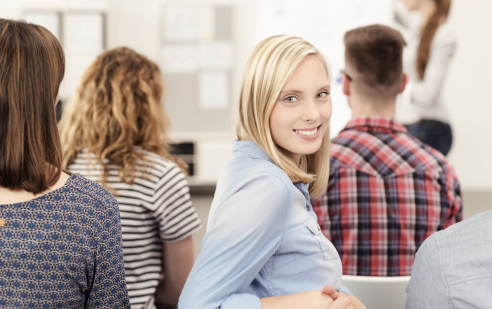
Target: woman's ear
{"x": 404, "y": 82}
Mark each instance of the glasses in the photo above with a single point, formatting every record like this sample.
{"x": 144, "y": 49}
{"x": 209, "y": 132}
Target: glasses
{"x": 345, "y": 73}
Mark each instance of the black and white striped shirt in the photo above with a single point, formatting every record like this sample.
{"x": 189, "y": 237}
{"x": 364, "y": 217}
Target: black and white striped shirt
{"x": 155, "y": 209}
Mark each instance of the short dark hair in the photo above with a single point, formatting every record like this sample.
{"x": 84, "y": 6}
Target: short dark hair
{"x": 376, "y": 53}
{"x": 32, "y": 66}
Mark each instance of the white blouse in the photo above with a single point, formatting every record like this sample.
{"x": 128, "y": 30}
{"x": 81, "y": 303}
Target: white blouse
{"x": 423, "y": 99}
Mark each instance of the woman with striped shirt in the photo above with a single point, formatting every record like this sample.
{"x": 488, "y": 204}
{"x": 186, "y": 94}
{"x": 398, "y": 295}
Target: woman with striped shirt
{"x": 115, "y": 132}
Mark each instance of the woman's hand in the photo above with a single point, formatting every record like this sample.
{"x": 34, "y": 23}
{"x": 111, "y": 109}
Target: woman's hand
{"x": 326, "y": 299}
{"x": 342, "y": 300}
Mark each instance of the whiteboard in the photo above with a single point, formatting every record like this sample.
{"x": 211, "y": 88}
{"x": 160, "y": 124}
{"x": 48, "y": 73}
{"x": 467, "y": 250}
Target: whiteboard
{"x": 323, "y": 23}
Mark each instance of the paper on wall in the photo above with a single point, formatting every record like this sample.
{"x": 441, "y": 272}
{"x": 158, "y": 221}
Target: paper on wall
{"x": 179, "y": 58}
{"x": 49, "y": 20}
{"x": 84, "y": 31}
{"x": 189, "y": 23}
{"x": 213, "y": 90}
{"x": 217, "y": 55}
{"x": 75, "y": 68}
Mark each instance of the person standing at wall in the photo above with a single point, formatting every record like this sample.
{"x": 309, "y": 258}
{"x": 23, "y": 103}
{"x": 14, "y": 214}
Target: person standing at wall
{"x": 431, "y": 47}
{"x": 60, "y": 234}
{"x": 115, "y": 131}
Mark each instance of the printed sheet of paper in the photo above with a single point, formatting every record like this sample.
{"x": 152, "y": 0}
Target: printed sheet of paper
{"x": 49, "y": 20}
{"x": 213, "y": 90}
{"x": 84, "y": 32}
{"x": 217, "y": 55}
{"x": 179, "y": 58}
{"x": 75, "y": 68}
{"x": 323, "y": 23}
{"x": 189, "y": 23}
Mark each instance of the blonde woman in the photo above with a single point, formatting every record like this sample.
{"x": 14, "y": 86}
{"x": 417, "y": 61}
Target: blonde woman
{"x": 263, "y": 247}
{"x": 115, "y": 132}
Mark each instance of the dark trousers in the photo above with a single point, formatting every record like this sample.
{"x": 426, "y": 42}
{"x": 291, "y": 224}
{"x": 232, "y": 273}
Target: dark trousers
{"x": 434, "y": 133}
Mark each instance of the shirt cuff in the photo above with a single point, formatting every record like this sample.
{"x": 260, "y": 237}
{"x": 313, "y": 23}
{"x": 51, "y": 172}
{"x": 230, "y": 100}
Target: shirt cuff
{"x": 241, "y": 301}
{"x": 345, "y": 290}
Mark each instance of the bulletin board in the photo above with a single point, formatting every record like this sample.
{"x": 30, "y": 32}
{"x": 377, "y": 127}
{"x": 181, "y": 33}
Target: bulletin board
{"x": 197, "y": 62}
{"x": 82, "y": 33}
{"x": 323, "y": 23}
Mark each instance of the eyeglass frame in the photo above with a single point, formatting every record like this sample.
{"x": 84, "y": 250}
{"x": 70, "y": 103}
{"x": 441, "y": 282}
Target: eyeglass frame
{"x": 345, "y": 73}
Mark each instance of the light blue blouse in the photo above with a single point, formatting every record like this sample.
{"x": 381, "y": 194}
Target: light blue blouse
{"x": 262, "y": 239}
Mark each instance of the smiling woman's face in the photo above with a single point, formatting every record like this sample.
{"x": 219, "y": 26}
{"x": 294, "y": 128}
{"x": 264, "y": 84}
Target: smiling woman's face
{"x": 301, "y": 115}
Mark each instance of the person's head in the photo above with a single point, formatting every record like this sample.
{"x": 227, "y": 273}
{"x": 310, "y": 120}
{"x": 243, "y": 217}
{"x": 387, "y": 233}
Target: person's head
{"x": 374, "y": 65}
{"x": 117, "y": 106}
{"x": 32, "y": 66}
{"x": 285, "y": 108}
{"x": 438, "y": 11}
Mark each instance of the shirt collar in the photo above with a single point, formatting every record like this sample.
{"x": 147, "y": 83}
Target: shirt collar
{"x": 250, "y": 149}
{"x": 375, "y": 124}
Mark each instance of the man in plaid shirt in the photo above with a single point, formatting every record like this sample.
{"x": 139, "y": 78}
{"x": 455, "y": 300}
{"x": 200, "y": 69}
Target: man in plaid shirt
{"x": 387, "y": 191}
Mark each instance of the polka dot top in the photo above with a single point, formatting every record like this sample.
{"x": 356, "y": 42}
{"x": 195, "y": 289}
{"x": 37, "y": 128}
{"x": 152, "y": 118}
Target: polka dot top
{"x": 63, "y": 250}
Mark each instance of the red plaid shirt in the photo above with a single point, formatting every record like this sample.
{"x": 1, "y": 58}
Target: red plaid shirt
{"x": 387, "y": 193}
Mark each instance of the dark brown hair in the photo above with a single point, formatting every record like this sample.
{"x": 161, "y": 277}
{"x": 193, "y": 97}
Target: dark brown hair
{"x": 118, "y": 106}
{"x": 32, "y": 65}
{"x": 428, "y": 32}
{"x": 376, "y": 53}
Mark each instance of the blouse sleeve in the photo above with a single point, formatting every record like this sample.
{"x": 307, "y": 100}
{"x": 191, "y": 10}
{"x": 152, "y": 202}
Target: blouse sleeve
{"x": 426, "y": 92}
{"x": 172, "y": 206}
{"x": 108, "y": 285}
{"x": 245, "y": 231}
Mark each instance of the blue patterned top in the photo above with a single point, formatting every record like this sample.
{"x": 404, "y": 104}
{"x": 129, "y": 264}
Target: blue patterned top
{"x": 63, "y": 250}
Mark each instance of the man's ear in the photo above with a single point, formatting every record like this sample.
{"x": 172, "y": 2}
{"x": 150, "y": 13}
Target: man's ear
{"x": 404, "y": 82}
{"x": 345, "y": 85}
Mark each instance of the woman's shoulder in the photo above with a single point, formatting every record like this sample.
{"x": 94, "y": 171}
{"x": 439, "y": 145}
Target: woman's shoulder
{"x": 156, "y": 162}
{"x": 241, "y": 171}
{"x": 88, "y": 192}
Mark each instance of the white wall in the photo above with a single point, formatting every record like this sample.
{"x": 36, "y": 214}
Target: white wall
{"x": 135, "y": 23}
{"x": 469, "y": 93}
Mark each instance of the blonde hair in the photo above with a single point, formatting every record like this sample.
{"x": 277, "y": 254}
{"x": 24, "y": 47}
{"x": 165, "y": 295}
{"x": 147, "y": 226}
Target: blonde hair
{"x": 116, "y": 107}
{"x": 269, "y": 67}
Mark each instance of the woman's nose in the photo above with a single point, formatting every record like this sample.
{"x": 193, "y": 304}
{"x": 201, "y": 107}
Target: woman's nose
{"x": 310, "y": 112}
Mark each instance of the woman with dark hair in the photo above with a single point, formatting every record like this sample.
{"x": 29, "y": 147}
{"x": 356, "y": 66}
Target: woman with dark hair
{"x": 60, "y": 243}
{"x": 115, "y": 131}
{"x": 430, "y": 49}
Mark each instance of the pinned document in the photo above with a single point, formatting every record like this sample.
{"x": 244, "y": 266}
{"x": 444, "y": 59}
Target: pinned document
{"x": 213, "y": 90}
{"x": 84, "y": 32}
{"x": 189, "y": 23}
{"x": 49, "y": 20}
{"x": 179, "y": 58}
{"x": 216, "y": 55}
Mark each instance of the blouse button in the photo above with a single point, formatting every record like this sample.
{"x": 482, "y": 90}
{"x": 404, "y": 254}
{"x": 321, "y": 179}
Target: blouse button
{"x": 308, "y": 208}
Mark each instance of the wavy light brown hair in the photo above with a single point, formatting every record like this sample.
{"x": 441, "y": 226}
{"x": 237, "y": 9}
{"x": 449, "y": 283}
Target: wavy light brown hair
{"x": 269, "y": 67}
{"x": 428, "y": 32}
{"x": 32, "y": 66}
{"x": 117, "y": 106}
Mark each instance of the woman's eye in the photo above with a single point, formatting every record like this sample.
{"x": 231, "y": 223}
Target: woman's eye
{"x": 291, "y": 99}
{"x": 323, "y": 94}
